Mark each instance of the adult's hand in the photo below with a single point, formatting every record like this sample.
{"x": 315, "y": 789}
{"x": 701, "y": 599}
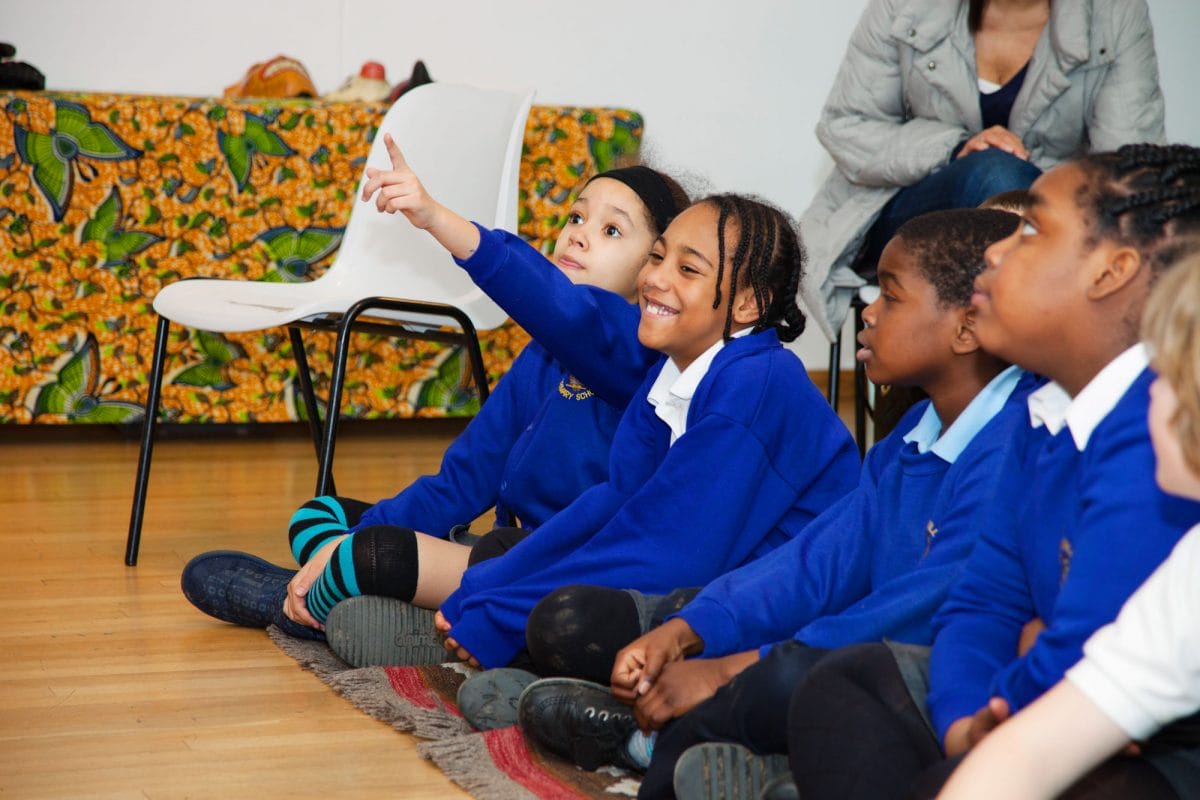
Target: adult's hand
{"x": 996, "y": 136}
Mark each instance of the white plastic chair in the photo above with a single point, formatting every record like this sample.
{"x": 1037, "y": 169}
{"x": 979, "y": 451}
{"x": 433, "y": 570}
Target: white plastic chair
{"x": 465, "y": 144}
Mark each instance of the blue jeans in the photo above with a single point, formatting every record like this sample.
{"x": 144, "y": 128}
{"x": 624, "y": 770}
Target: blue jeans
{"x": 963, "y": 183}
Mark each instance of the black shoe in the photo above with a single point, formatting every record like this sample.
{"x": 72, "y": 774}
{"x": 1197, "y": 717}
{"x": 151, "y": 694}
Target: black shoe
{"x": 578, "y": 720}
{"x": 242, "y": 589}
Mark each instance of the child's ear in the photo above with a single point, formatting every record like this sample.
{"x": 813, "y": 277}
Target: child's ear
{"x": 1120, "y": 266}
{"x": 746, "y": 310}
{"x": 965, "y": 342}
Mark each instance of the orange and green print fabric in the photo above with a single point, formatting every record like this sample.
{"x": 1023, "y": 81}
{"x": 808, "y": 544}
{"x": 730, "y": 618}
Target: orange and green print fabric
{"x": 104, "y": 199}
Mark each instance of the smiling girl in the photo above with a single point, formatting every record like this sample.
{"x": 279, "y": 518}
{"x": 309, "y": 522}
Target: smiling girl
{"x": 725, "y": 447}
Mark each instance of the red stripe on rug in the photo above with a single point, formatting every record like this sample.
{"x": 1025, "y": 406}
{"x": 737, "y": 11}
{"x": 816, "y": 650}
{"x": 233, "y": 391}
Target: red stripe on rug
{"x": 510, "y": 753}
{"x": 410, "y": 685}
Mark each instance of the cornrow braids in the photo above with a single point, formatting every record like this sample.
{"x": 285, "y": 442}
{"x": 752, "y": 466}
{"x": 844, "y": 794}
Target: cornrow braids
{"x": 768, "y": 256}
{"x": 1146, "y": 196}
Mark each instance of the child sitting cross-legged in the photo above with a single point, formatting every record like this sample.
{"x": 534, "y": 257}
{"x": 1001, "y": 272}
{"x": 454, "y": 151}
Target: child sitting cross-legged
{"x": 1064, "y": 298}
{"x": 1140, "y": 673}
{"x": 540, "y": 440}
{"x": 726, "y": 450}
{"x": 875, "y": 565}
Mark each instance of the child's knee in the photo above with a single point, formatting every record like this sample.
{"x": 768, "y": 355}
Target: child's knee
{"x": 385, "y": 560}
{"x": 314, "y": 524}
{"x": 557, "y": 619}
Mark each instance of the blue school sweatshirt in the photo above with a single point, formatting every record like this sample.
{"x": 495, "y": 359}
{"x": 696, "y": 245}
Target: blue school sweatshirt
{"x": 762, "y": 455}
{"x": 538, "y": 443}
{"x": 1092, "y": 529}
{"x": 592, "y": 331}
{"x": 879, "y": 562}
{"x": 543, "y": 436}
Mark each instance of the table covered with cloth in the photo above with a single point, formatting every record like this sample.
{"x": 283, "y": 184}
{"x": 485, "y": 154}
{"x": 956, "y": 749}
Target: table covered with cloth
{"x": 105, "y": 198}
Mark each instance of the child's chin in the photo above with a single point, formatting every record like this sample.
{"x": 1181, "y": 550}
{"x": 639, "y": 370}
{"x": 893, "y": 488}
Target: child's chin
{"x": 646, "y": 336}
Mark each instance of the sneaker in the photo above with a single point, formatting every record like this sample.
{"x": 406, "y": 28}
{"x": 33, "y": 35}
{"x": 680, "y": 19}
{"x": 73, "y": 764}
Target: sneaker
{"x": 578, "y": 720}
{"x": 242, "y": 589}
{"x": 372, "y": 631}
{"x": 489, "y": 700}
{"x": 724, "y": 771}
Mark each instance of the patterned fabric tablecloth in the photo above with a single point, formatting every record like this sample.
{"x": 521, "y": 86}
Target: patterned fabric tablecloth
{"x": 106, "y": 198}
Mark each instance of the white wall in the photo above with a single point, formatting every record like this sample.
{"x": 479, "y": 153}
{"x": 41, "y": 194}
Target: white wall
{"x": 730, "y": 91}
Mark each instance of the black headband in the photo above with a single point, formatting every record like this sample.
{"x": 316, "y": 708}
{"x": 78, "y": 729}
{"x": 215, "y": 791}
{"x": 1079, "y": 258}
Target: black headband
{"x": 650, "y": 188}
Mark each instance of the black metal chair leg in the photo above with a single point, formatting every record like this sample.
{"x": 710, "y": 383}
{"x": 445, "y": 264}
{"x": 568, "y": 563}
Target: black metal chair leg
{"x": 835, "y": 372}
{"x": 149, "y": 423}
{"x": 304, "y": 376}
{"x": 337, "y": 379}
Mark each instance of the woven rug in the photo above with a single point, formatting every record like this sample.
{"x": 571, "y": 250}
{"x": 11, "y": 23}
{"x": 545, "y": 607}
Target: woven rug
{"x": 490, "y": 765}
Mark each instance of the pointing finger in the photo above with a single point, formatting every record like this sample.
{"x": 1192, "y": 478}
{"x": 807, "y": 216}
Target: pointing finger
{"x": 394, "y": 153}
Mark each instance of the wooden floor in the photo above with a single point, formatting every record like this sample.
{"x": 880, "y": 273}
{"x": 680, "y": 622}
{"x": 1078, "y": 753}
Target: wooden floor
{"x": 113, "y": 686}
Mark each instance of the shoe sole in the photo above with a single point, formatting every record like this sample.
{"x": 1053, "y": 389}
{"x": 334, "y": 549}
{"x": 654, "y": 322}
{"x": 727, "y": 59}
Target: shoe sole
{"x": 373, "y": 631}
{"x": 717, "y": 771}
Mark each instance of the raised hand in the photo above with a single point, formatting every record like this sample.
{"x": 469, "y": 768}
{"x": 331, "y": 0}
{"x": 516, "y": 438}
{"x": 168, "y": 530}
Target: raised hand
{"x": 399, "y": 189}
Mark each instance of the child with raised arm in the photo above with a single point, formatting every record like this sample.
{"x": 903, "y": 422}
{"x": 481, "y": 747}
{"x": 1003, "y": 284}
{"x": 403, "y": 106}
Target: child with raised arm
{"x": 727, "y": 449}
{"x": 875, "y": 565}
{"x": 1142, "y": 672}
{"x": 540, "y": 440}
{"x": 1064, "y": 298}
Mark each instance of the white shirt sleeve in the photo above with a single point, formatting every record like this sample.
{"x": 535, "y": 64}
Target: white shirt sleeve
{"x": 1143, "y": 669}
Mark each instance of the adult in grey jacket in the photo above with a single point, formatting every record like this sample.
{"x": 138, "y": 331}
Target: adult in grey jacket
{"x": 907, "y": 96}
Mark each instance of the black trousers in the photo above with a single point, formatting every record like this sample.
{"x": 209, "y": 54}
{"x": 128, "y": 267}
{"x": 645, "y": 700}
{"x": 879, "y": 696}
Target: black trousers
{"x": 855, "y": 730}
{"x": 751, "y": 710}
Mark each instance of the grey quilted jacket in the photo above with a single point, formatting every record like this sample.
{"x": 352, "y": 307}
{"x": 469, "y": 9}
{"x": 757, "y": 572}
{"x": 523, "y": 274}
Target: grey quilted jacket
{"x": 907, "y": 93}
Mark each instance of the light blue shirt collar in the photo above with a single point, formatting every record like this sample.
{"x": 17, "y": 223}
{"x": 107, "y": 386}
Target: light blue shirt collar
{"x": 927, "y": 433}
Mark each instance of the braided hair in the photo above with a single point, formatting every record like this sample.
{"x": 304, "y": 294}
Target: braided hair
{"x": 768, "y": 256}
{"x": 1146, "y": 196}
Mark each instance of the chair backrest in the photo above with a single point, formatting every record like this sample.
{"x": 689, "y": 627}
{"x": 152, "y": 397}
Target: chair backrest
{"x": 464, "y": 143}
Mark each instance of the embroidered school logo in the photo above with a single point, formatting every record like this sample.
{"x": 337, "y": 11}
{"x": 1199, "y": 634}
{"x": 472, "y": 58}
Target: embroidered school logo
{"x": 1064, "y": 560}
{"x": 931, "y": 533}
{"x": 572, "y": 389}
